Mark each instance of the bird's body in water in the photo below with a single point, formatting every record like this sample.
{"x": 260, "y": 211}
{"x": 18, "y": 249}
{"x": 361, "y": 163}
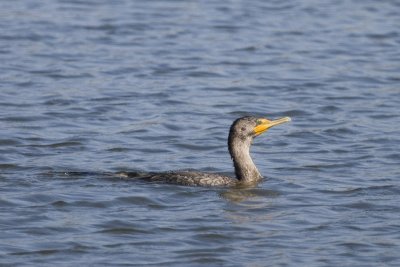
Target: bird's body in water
{"x": 241, "y": 135}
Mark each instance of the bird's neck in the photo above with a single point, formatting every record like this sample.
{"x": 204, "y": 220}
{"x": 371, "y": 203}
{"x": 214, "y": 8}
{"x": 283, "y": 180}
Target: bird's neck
{"x": 245, "y": 169}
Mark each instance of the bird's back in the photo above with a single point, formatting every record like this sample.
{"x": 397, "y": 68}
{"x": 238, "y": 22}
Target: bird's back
{"x": 189, "y": 178}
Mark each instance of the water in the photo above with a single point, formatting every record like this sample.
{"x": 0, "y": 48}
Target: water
{"x": 105, "y": 86}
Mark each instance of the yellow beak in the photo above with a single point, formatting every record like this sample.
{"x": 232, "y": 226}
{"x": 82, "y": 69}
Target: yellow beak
{"x": 265, "y": 124}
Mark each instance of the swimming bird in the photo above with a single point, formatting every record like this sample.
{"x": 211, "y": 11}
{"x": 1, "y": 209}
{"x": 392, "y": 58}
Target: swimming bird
{"x": 241, "y": 135}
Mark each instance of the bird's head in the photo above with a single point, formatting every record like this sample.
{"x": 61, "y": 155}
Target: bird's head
{"x": 246, "y": 128}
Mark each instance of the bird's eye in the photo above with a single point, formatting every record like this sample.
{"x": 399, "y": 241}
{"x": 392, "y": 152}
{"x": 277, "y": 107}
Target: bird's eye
{"x": 243, "y": 129}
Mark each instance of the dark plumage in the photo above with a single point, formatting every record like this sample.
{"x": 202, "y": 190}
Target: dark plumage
{"x": 241, "y": 135}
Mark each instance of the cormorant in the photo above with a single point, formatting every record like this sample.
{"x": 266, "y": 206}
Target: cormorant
{"x": 241, "y": 135}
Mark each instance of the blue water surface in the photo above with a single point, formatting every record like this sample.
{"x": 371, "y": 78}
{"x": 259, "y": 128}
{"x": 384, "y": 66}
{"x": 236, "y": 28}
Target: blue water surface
{"x": 98, "y": 87}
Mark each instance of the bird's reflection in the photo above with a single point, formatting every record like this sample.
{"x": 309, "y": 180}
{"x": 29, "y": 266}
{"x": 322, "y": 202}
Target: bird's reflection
{"x": 243, "y": 193}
